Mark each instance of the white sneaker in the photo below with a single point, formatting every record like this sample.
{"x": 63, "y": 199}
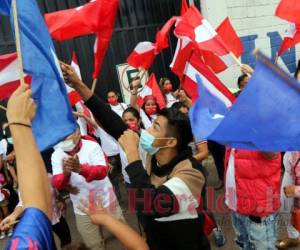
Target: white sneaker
{"x": 2, "y": 235}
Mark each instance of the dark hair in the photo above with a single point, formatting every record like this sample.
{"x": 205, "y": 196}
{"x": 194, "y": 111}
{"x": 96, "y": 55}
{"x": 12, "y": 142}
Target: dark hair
{"x": 133, "y": 111}
{"x": 179, "y": 127}
{"x": 297, "y": 70}
{"x": 240, "y": 79}
{"x": 178, "y": 105}
{"x": 115, "y": 92}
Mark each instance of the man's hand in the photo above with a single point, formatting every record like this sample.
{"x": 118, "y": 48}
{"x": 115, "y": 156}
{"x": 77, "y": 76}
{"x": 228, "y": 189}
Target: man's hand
{"x": 72, "y": 190}
{"x": 67, "y": 168}
{"x": 290, "y": 191}
{"x": 94, "y": 210}
{"x": 7, "y": 222}
{"x": 21, "y": 107}
{"x": 129, "y": 141}
{"x": 73, "y": 164}
{"x": 70, "y": 75}
{"x": 247, "y": 69}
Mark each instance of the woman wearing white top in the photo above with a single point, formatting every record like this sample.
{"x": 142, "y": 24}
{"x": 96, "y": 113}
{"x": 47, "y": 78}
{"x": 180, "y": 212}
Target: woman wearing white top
{"x": 116, "y": 106}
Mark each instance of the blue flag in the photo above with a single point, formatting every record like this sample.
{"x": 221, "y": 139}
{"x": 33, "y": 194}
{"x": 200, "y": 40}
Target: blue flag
{"x": 266, "y": 116}
{"x": 208, "y": 111}
{"x": 54, "y": 119}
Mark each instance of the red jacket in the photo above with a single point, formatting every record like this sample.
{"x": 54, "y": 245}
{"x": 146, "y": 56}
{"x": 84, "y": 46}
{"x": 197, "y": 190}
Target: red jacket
{"x": 257, "y": 181}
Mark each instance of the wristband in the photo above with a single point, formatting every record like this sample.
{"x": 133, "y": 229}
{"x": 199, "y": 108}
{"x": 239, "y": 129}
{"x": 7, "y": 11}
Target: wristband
{"x": 20, "y": 124}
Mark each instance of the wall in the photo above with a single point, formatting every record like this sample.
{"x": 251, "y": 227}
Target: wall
{"x": 258, "y": 27}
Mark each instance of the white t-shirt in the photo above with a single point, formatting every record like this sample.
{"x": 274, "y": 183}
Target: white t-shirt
{"x": 92, "y": 154}
{"x": 119, "y": 108}
{"x": 109, "y": 144}
{"x": 3, "y": 148}
{"x": 170, "y": 100}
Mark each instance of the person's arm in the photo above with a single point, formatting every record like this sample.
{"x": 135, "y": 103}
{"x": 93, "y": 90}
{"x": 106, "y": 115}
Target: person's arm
{"x": 109, "y": 120}
{"x": 125, "y": 234}
{"x": 86, "y": 118}
{"x": 134, "y": 93}
{"x": 202, "y": 151}
{"x": 11, "y": 219}
{"x": 32, "y": 176}
{"x": 182, "y": 96}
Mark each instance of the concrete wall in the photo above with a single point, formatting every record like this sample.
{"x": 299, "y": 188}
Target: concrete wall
{"x": 258, "y": 27}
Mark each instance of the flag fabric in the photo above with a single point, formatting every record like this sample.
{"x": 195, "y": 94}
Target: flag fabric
{"x": 54, "y": 119}
{"x": 152, "y": 88}
{"x": 104, "y": 34}
{"x": 266, "y": 114}
{"x": 184, "y": 7}
{"x": 143, "y": 55}
{"x": 75, "y": 64}
{"x": 96, "y": 17}
{"x": 183, "y": 52}
{"x": 228, "y": 34}
{"x": 162, "y": 36}
{"x": 208, "y": 111}
{"x": 9, "y": 78}
{"x": 291, "y": 38}
{"x": 200, "y": 32}
{"x": 197, "y": 67}
{"x": 289, "y": 10}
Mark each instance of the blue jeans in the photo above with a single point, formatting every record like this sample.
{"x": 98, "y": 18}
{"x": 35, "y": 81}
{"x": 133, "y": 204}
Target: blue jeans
{"x": 251, "y": 235}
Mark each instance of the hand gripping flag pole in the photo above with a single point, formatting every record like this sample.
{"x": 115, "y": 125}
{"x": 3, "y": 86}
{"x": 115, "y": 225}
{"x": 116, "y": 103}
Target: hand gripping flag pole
{"x": 18, "y": 44}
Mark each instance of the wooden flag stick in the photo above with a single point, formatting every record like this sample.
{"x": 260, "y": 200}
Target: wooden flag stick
{"x": 238, "y": 62}
{"x": 94, "y": 85}
{"x": 3, "y": 108}
{"x": 18, "y": 44}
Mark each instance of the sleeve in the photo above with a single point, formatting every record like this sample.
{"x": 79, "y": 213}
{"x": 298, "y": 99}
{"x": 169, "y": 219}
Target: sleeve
{"x": 145, "y": 119}
{"x": 110, "y": 121}
{"x": 96, "y": 169}
{"x": 149, "y": 200}
{"x": 34, "y": 231}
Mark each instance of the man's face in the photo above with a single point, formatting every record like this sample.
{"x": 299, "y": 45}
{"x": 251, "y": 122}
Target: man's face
{"x": 244, "y": 83}
{"x": 159, "y": 130}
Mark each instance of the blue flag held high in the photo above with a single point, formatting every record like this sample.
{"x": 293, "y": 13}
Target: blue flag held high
{"x": 54, "y": 119}
{"x": 266, "y": 116}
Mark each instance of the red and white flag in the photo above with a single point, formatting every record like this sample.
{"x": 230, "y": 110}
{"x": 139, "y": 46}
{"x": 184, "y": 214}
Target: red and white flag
{"x": 234, "y": 44}
{"x": 289, "y": 10}
{"x": 291, "y": 38}
{"x": 184, "y": 7}
{"x": 96, "y": 17}
{"x": 193, "y": 26}
{"x": 152, "y": 88}
{"x": 143, "y": 55}
{"x": 75, "y": 64}
{"x": 9, "y": 78}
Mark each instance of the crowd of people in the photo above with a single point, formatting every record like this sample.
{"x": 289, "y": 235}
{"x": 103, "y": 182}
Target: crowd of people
{"x": 154, "y": 153}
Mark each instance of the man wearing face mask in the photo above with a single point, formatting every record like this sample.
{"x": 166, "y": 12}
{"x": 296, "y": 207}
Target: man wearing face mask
{"x": 81, "y": 164}
{"x": 116, "y": 106}
{"x": 170, "y": 186}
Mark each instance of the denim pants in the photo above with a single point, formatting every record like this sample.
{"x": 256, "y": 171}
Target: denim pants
{"x": 251, "y": 235}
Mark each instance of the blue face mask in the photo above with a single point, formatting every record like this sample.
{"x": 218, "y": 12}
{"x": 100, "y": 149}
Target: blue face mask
{"x": 146, "y": 141}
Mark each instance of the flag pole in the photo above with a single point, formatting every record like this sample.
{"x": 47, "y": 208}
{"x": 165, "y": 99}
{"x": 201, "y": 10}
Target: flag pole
{"x": 18, "y": 44}
{"x": 94, "y": 85}
{"x": 238, "y": 62}
{"x": 3, "y": 108}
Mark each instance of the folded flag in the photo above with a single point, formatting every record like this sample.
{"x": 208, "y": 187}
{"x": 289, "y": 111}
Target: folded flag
{"x": 54, "y": 119}
{"x": 228, "y": 34}
{"x": 291, "y": 38}
{"x": 289, "y": 10}
{"x": 9, "y": 79}
{"x": 151, "y": 88}
{"x": 265, "y": 117}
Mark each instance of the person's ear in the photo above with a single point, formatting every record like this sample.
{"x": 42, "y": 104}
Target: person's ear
{"x": 172, "y": 142}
